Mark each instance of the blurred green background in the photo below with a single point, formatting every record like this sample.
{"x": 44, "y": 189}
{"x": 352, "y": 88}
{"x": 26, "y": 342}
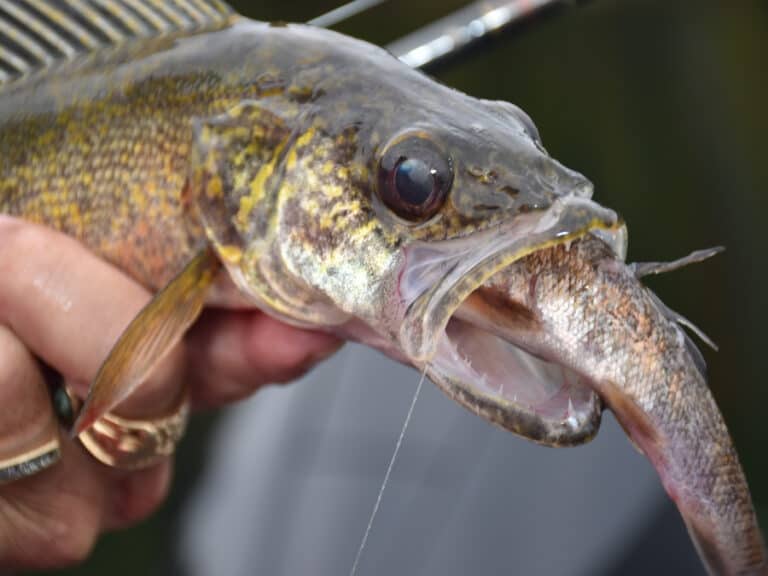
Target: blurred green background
{"x": 663, "y": 104}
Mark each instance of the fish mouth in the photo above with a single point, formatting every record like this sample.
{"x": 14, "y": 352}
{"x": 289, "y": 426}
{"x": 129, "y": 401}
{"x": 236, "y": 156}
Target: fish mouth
{"x": 461, "y": 330}
{"x": 489, "y": 373}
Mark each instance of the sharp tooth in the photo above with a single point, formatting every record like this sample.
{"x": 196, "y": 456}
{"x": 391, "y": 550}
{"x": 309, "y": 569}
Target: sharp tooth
{"x": 573, "y": 422}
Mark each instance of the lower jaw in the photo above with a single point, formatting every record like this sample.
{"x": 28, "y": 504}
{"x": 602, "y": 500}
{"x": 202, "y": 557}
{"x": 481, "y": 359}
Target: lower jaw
{"x": 539, "y": 400}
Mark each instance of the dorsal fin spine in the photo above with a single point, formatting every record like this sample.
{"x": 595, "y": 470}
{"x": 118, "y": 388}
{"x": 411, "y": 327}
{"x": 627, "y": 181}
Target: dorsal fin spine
{"x": 98, "y": 21}
{"x": 13, "y": 59}
{"x": 175, "y": 17}
{"x": 205, "y": 8}
{"x": 36, "y": 35}
{"x": 192, "y": 11}
{"x": 38, "y": 27}
{"x": 30, "y": 45}
{"x": 124, "y": 17}
{"x": 160, "y": 24}
{"x": 67, "y": 23}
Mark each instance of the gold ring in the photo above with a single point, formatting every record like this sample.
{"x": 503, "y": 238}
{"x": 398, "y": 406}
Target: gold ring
{"x": 131, "y": 444}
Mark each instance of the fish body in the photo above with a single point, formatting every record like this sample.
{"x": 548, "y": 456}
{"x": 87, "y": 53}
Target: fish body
{"x": 590, "y": 314}
{"x": 100, "y": 149}
{"x": 342, "y": 190}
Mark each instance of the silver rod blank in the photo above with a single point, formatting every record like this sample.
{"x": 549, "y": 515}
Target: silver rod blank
{"x": 462, "y": 28}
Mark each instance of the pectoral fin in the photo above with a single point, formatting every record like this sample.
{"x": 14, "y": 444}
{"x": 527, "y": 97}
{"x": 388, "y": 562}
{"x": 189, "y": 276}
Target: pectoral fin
{"x": 149, "y": 337}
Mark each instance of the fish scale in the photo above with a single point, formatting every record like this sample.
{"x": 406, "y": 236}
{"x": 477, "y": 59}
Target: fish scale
{"x": 649, "y": 379}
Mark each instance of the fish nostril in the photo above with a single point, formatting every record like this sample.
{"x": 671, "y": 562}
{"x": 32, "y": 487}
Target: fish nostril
{"x": 509, "y": 190}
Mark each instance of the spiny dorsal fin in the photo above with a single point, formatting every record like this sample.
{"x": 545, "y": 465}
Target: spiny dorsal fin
{"x": 38, "y": 34}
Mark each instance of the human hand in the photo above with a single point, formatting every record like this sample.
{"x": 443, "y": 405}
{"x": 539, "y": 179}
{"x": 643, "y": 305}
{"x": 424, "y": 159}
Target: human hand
{"x": 61, "y": 304}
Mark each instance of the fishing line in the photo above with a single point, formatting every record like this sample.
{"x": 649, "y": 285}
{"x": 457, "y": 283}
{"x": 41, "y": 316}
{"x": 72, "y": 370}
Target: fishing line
{"x": 367, "y": 532}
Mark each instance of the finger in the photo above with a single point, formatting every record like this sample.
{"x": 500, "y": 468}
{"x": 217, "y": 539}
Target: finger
{"x": 233, "y": 353}
{"x": 62, "y": 510}
{"x": 69, "y": 307}
{"x": 53, "y": 518}
{"x": 135, "y": 496}
{"x": 29, "y": 433}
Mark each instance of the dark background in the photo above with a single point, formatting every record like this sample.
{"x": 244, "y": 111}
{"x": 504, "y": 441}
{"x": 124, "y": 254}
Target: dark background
{"x": 662, "y": 104}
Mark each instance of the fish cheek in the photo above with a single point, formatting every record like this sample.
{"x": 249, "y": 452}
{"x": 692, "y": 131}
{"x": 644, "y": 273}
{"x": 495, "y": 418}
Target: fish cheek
{"x": 235, "y": 188}
{"x": 330, "y": 235}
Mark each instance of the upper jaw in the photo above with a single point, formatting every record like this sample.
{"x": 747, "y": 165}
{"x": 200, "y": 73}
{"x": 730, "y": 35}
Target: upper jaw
{"x": 447, "y": 326}
{"x": 437, "y": 277}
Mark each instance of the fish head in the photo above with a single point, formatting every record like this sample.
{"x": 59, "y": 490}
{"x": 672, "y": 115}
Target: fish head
{"x": 377, "y": 201}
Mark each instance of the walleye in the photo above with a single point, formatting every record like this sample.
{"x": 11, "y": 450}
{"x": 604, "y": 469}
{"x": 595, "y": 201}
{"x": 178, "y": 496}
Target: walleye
{"x": 341, "y": 190}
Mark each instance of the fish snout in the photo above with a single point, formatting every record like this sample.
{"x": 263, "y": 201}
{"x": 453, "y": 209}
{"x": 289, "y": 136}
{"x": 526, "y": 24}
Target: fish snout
{"x": 562, "y": 181}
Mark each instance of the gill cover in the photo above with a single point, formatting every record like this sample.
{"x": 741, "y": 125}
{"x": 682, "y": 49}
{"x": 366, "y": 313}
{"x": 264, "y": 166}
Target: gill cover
{"x": 240, "y": 165}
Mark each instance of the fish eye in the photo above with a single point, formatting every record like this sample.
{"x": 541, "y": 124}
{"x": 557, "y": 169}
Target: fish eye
{"x": 414, "y": 178}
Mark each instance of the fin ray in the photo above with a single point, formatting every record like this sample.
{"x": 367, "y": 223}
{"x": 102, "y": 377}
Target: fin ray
{"x": 646, "y": 268}
{"x": 122, "y": 17}
{"x": 37, "y": 27}
{"x": 149, "y": 337}
{"x": 36, "y": 36}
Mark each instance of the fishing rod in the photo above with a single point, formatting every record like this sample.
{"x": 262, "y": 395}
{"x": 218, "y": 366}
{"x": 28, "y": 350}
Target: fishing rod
{"x": 453, "y": 34}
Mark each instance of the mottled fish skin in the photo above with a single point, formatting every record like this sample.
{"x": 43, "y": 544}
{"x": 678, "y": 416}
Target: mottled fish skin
{"x": 595, "y": 316}
{"x": 105, "y": 150}
{"x": 101, "y": 149}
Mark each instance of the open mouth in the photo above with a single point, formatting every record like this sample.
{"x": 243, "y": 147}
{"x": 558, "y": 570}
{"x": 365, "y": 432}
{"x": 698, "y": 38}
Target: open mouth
{"x": 483, "y": 369}
{"x": 471, "y": 336}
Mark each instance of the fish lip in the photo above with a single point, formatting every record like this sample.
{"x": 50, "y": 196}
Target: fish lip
{"x": 452, "y": 270}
